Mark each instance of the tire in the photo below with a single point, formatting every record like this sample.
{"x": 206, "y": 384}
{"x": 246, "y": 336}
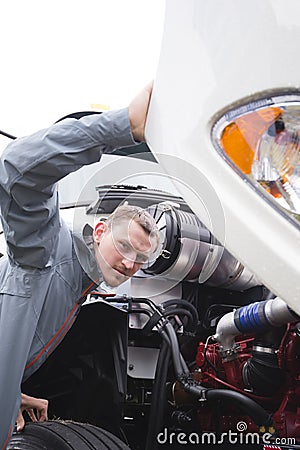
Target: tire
{"x": 64, "y": 435}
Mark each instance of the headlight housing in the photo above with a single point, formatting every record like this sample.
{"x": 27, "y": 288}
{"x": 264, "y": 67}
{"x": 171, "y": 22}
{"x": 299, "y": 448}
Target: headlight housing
{"x": 261, "y": 141}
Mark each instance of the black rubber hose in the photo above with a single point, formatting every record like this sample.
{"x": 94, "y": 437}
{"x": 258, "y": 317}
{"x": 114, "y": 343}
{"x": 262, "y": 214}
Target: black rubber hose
{"x": 174, "y": 349}
{"x": 152, "y": 322}
{"x": 186, "y": 304}
{"x": 147, "y": 301}
{"x": 175, "y": 352}
{"x": 261, "y": 376}
{"x": 258, "y": 414}
{"x": 184, "y": 366}
{"x": 169, "y": 348}
{"x": 158, "y": 397}
{"x": 165, "y": 336}
{"x": 261, "y": 372}
{"x": 162, "y": 311}
{"x": 156, "y": 317}
{"x": 180, "y": 312}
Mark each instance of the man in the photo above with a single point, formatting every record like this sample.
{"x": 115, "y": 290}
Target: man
{"x": 48, "y": 270}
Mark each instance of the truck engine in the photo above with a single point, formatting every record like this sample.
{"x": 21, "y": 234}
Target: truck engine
{"x": 196, "y": 350}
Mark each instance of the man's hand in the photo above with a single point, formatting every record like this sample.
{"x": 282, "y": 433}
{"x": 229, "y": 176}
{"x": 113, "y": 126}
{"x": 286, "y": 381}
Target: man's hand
{"x": 138, "y": 110}
{"x": 36, "y": 408}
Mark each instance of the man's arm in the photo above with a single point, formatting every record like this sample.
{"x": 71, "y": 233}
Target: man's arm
{"x": 138, "y": 110}
{"x": 31, "y": 166}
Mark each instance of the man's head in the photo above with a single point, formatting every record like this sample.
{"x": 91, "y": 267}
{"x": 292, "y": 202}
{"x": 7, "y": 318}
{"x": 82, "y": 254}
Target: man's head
{"x": 124, "y": 242}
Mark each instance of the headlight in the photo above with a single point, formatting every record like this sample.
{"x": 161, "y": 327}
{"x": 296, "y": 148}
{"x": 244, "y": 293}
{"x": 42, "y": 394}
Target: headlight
{"x": 261, "y": 140}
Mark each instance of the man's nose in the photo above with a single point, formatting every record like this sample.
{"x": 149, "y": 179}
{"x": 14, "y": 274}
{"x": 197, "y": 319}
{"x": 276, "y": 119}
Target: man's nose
{"x": 128, "y": 262}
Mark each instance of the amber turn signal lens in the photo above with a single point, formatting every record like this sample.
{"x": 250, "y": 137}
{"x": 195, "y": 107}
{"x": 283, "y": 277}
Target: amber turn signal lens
{"x": 262, "y": 141}
{"x": 240, "y": 138}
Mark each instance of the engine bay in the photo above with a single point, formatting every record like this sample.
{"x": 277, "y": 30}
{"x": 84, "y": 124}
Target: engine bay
{"x": 211, "y": 357}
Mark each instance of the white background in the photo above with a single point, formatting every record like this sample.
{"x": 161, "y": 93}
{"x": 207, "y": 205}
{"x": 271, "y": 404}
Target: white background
{"x": 62, "y": 56}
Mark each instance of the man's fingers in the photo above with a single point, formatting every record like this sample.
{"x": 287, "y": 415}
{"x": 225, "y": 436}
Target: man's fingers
{"x": 31, "y": 414}
{"x": 42, "y": 413}
{"x": 36, "y": 408}
{"x": 20, "y": 422}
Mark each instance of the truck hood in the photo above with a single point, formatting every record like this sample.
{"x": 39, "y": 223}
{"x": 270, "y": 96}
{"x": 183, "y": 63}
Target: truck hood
{"x": 216, "y": 56}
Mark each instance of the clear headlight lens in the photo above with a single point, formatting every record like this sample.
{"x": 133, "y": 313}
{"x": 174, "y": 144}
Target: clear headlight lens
{"x": 261, "y": 140}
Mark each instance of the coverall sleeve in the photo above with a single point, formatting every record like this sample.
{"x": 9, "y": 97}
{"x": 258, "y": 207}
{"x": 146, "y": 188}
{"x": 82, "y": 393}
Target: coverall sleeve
{"x": 30, "y": 168}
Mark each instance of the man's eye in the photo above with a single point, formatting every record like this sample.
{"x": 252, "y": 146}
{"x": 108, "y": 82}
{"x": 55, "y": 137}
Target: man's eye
{"x": 141, "y": 259}
{"x": 124, "y": 245}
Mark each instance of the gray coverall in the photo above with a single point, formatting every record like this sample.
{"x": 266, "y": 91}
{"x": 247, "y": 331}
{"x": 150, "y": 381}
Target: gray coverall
{"x": 41, "y": 278}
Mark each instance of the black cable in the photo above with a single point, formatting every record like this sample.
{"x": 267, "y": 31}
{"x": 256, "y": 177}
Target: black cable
{"x": 179, "y": 312}
{"x": 10, "y": 136}
{"x": 253, "y": 409}
{"x": 165, "y": 310}
{"x": 170, "y": 344}
{"x": 186, "y": 304}
{"x": 164, "y": 335}
{"x": 148, "y": 302}
{"x": 168, "y": 333}
{"x": 169, "y": 348}
{"x": 152, "y": 322}
{"x": 257, "y": 413}
{"x": 180, "y": 301}
{"x": 184, "y": 366}
{"x": 175, "y": 352}
{"x": 158, "y": 398}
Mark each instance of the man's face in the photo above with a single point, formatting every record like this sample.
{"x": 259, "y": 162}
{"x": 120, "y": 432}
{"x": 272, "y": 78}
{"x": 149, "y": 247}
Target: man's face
{"x": 121, "y": 250}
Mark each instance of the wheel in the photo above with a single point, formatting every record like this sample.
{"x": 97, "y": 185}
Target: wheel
{"x": 64, "y": 435}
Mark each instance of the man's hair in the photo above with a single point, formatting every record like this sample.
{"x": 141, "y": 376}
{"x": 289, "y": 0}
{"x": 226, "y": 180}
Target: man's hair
{"x": 139, "y": 215}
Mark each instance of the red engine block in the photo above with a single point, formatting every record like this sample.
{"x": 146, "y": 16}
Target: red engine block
{"x": 284, "y": 405}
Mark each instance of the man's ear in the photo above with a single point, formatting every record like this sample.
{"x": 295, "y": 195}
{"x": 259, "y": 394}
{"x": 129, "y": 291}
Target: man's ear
{"x": 99, "y": 230}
